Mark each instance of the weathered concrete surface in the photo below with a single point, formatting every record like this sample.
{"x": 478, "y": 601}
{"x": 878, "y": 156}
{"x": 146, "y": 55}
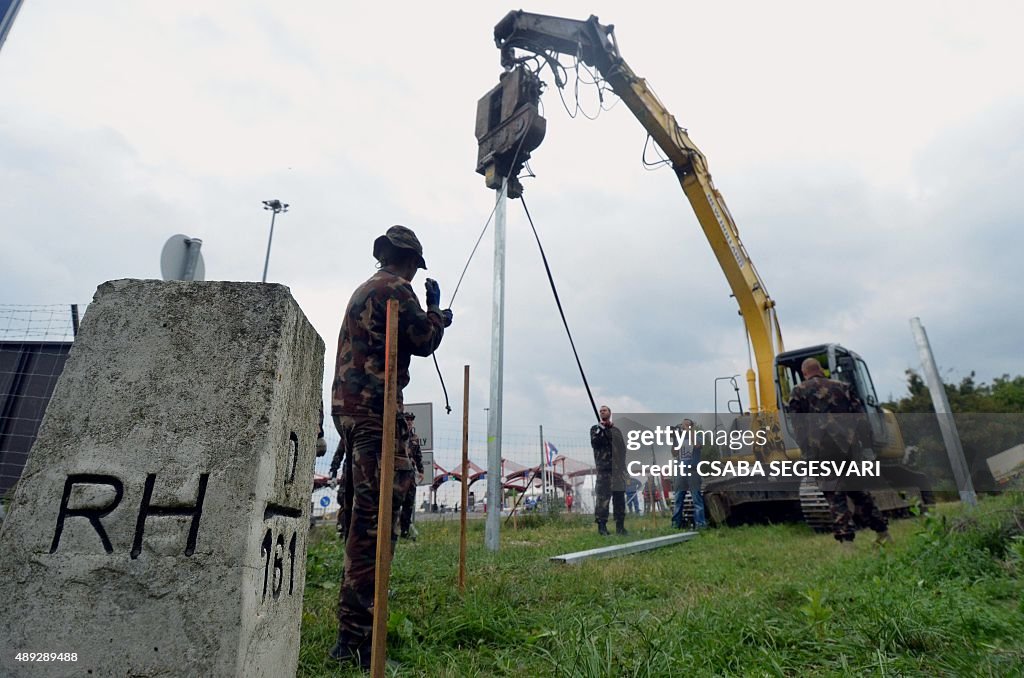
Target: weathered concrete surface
{"x": 191, "y": 389}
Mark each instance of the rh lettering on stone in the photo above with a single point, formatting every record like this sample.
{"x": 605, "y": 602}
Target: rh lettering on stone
{"x": 146, "y": 510}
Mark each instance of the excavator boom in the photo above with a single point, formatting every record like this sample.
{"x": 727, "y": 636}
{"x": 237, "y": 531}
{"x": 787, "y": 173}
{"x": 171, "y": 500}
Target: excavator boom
{"x": 594, "y": 44}
{"x": 509, "y": 127}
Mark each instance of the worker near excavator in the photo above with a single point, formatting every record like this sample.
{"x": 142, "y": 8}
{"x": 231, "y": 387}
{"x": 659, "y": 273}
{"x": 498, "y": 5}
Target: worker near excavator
{"x": 829, "y": 424}
{"x": 358, "y": 412}
{"x": 688, "y": 480}
{"x": 610, "y": 461}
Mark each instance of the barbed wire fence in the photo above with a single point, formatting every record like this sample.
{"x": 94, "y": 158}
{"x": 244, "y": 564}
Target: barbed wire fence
{"x": 34, "y": 345}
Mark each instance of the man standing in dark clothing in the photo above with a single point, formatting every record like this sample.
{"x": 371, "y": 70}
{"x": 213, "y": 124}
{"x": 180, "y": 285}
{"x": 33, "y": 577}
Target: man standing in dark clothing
{"x": 688, "y": 480}
{"x": 610, "y": 461}
{"x": 416, "y": 456}
{"x": 632, "y": 499}
{"x": 828, "y": 423}
{"x": 358, "y": 412}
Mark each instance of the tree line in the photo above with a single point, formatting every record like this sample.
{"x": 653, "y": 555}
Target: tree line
{"x": 989, "y": 417}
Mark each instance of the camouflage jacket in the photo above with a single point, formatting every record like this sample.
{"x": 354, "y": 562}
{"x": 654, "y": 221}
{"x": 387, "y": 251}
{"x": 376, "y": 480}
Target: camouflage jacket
{"x": 828, "y": 418}
{"x": 413, "y": 450}
{"x": 610, "y": 454}
{"x": 358, "y": 388}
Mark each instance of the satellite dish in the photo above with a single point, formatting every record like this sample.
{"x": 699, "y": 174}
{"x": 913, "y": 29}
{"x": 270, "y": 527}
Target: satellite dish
{"x": 180, "y": 254}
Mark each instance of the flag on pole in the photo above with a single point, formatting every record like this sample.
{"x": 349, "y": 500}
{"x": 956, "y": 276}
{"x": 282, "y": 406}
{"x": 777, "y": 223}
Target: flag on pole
{"x": 551, "y": 452}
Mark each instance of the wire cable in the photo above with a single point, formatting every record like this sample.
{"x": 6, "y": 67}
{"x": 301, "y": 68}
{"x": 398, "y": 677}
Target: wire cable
{"x": 466, "y": 267}
{"x": 447, "y": 405}
{"x": 444, "y": 389}
{"x": 497, "y": 199}
{"x": 561, "y": 312}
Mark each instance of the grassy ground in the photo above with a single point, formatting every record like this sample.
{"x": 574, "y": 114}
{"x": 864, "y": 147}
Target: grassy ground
{"x": 946, "y": 599}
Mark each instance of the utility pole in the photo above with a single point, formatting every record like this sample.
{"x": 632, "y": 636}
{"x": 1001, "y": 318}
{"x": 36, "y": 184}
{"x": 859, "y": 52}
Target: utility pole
{"x": 276, "y": 207}
{"x": 492, "y": 536}
{"x": 947, "y": 426}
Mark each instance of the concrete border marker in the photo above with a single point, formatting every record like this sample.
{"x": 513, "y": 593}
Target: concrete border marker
{"x": 623, "y": 549}
{"x": 160, "y": 527}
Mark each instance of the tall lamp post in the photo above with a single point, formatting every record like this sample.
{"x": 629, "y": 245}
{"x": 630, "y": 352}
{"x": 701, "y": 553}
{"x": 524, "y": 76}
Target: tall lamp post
{"x": 276, "y": 207}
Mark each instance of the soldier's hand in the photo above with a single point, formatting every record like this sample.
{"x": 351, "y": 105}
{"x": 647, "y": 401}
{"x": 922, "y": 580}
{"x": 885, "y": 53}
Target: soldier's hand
{"x": 433, "y": 293}
{"x": 321, "y": 447}
{"x": 448, "y": 316}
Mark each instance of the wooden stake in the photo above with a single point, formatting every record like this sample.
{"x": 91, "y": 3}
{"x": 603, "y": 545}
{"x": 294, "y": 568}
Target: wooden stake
{"x": 465, "y": 478}
{"x": 378, "y": 656}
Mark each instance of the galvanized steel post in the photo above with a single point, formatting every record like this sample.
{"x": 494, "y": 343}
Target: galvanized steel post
{"x": 492, "y": 535}
{"x": 946, "y": 424}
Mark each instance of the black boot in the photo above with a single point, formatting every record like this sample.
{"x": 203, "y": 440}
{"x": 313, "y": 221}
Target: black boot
{"x": 602, "y": 528}
{"x": 346, "y": 653}
{"x": 620, "y": 528}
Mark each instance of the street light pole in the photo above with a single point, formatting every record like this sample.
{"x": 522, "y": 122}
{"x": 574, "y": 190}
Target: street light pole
{"x": 276, "y": 207}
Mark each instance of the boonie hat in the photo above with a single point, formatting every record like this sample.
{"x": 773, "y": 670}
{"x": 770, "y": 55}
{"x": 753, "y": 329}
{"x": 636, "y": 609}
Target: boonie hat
{"x": 402, "y": 238}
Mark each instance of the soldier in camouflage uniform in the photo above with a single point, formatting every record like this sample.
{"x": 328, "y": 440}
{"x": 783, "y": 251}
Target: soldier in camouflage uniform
{"x": 416, "y": 455}
{"x": 610, "y": 460}
{"x": 358, "y": 409}
{"x": 321, "y": 444}
{"x": 342, "y": 462}
{"x": 829, "y": 425}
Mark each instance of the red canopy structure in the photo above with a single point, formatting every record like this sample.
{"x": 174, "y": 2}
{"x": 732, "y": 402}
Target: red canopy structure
{"x": 512, "y": 477}
{"x": 562, "y": 471}
{"x": 572, "y": 468}
{"x": 562, "y": 474}
{"x": 475, "y": 474}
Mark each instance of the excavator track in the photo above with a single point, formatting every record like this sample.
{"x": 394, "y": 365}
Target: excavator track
{"x": 814, "y": 506}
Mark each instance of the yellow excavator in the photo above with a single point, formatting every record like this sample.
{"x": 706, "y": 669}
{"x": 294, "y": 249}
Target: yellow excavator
{"x": 509, "y": 127}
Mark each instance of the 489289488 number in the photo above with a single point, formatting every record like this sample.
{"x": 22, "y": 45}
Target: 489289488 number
{"x": 46, "y": 657}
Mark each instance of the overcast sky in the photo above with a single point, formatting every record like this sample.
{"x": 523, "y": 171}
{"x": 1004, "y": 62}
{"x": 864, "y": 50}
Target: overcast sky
{"x": 871, "y": 155}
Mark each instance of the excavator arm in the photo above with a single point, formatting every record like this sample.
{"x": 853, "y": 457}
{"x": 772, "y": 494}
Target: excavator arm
{"x": 594, "y": 44}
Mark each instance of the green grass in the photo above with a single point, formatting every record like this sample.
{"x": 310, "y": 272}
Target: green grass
{"x": 947, "y": 599}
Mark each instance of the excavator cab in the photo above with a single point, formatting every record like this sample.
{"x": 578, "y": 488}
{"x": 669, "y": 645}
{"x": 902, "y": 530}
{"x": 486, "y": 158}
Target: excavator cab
{"x": 843, "y": 365}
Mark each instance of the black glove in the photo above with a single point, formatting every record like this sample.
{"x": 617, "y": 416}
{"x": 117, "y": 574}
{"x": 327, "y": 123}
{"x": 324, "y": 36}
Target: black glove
{"x": 447, "y": 315}
{"x": 433, "y": 293}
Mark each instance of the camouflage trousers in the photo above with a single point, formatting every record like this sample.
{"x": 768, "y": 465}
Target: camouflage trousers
{"x": 355, "y": 601}
{"x": 343, "y": 462}
{"x": 842, "y": 517}
{"x": 408, "y": 506}
{"x": 603, "y": 489}
{"x": 345, "y": 497}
